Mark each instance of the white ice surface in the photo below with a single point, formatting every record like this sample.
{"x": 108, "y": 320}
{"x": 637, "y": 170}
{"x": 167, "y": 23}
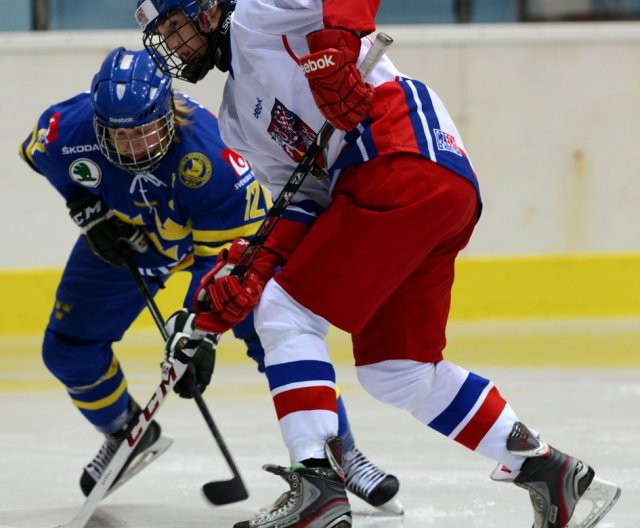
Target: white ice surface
{"x": 591, "y": 413}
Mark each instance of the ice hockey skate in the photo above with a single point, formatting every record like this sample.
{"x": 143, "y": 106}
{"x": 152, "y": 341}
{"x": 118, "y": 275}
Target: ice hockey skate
{"x": 368, "y": 482}
{"x": 151, "y": 445}
{"x": 316, "y": 499}
{"x": 558, "y": 482}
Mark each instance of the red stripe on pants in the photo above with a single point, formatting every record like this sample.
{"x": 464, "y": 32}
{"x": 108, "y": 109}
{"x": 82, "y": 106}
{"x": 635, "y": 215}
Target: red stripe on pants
{"x": 317, "y": 398}
{"x": 473, "y": 433}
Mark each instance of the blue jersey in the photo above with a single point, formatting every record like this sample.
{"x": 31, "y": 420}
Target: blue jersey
{"x": 194, "y": 203}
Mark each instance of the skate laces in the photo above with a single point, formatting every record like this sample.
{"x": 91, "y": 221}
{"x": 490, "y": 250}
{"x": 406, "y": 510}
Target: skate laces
{"x": 362, "y": 476}
{"x": 287, "y": 501}
{"x": 108, "y": 449}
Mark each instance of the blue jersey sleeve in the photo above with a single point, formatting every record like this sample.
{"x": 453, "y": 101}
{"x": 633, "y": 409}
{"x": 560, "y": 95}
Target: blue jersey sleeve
{"x": 41, "y": 148}
{"x": 232, "y": 204}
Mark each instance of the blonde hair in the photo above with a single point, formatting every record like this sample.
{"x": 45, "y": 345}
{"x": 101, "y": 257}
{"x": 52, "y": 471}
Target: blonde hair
{"x": 182, "y": 112}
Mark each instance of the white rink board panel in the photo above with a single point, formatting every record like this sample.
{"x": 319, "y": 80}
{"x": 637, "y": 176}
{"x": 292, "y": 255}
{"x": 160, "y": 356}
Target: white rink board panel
{"x": 549, "y": 114}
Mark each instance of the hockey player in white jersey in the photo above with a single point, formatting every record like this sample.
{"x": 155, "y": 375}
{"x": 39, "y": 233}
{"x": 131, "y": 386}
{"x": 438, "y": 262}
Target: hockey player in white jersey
{"x": 368, "y": 244}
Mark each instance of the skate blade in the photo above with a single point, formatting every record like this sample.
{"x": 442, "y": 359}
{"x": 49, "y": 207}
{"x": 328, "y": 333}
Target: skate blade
{"x": 344, "y": 521}
{"x": 142, "y": 460}
{"x": 377, "y": 520}
{"x": 602, "y": 495}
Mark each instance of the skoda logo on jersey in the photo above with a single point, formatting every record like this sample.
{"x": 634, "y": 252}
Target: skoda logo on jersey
{"x": 194, "y": 170}
{"x": 79, "y": 149}
{"x": 86, "y": 172}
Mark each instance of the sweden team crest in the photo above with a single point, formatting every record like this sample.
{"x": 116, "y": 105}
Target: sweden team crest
{"x": 194, "y": 170}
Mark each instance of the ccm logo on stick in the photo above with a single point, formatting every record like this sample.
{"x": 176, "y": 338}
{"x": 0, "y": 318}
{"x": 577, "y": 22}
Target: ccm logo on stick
{"x": 320, "y": 63}
{"x": 147, "y": 415}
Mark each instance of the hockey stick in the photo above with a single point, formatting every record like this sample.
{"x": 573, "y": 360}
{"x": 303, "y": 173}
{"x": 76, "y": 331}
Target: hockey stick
{"x": 103, "y": 485}
{"x": 217, "y": 492}
{"x": 373, "y": 56}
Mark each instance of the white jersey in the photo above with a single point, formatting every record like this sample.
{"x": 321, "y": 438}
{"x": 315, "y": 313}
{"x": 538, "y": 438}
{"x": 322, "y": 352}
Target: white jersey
{"x": 270, "y": 117}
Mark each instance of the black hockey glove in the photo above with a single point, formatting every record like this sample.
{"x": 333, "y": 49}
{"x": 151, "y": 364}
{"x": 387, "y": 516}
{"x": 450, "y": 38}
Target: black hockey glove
{"x": 108, "y": 237}
{"x": 192, "y": 347}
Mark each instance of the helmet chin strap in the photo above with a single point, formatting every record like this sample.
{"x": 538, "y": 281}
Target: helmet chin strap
{"x": 196, "y": 69}
{"x": 222, "y": 51}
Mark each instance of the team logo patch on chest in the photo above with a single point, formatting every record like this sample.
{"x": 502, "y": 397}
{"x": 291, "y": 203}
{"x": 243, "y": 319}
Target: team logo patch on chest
{"x": 194, "y": 170}
{"x": 290, "y": 132}
{"x": 86, "y": 172}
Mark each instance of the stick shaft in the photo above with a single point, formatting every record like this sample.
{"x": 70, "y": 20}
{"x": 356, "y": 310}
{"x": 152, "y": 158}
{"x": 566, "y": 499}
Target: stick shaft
{"x": 118, "y": 461}
{"x": 148, "y": 298}
{"x": 160, "y": 323}
{"x": 373, "y": 56}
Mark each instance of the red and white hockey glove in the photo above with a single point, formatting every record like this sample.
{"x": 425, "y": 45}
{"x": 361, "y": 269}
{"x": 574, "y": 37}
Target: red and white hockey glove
{"x": 336, "y": 84}
{"x": 221, "y": 300}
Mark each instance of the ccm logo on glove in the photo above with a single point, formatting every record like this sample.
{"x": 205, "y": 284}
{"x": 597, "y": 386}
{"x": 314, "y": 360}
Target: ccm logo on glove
{"x": 89, "y": 214}
{"x": 109, "y": 238}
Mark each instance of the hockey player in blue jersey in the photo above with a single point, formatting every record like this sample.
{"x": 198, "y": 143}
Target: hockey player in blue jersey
{"x": 143, "y": 170}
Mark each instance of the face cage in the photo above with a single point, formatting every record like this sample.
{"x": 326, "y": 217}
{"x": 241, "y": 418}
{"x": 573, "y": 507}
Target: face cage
{"x": 156, "y": 144}
{"x": 168, "y": 60}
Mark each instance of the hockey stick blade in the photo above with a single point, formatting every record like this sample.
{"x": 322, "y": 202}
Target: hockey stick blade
{"x": 223, "y": 492}
{"x": 218, "y": 494}
{"x": 103, "y": 485}
{"x": 144, "y": 419}
{"x": 142, "y": 461}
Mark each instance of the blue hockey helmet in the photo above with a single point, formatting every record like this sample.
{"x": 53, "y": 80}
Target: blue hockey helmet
{"x": 132, "y": 102}
{"x": 149, "y": 12}
{"x": 188, "y": 47}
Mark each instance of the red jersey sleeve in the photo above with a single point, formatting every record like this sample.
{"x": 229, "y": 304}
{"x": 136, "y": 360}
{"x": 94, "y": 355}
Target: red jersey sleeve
{"x": 355, "y": 15}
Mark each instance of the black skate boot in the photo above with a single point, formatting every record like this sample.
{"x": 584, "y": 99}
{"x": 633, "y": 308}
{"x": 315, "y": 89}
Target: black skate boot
{"x": 317, "y": 498}
{"x": 151, "y": 445}
{"x": 556, "y": 482}
{"x": 367, "y": 481}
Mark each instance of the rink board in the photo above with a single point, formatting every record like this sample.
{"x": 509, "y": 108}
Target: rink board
{"x": 520, "y": 311}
